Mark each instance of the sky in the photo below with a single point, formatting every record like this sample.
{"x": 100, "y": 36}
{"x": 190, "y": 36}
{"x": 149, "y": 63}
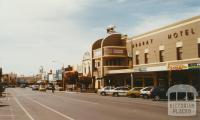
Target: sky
{"x": 51, "y": 33}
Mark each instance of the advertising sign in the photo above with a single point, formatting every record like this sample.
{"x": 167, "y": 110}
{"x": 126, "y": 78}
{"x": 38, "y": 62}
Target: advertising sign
{"x": 178, "y": 67}
{"x": 194, "y": 66}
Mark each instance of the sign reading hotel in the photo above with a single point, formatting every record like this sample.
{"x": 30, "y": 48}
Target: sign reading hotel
{"x": 178, "y": 67}
{"x": 181, "y": 33}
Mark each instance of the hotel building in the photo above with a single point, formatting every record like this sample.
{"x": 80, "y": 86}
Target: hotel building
{"x": 162, "y": 57}
{"x": 166, "y": 56}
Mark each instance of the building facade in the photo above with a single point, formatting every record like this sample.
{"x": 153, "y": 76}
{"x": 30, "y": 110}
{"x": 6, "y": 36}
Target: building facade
{"x": 166, "y": 56}
{"x": 108, "y": 53}
{"x": 86, "y": 64}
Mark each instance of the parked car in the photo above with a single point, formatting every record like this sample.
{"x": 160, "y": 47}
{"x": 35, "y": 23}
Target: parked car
{"x": 49, "y": 86}
{"x": 23, "y": 86}
{"x": 134, "y": 92}
{"x": 42, "y": 88}
{"x": 158, "y": 93}
{"x": 120, "y": 91}
{"x": 11, "y": 86}
{"x": 35, "y": 87}
{"x": 2, "y": 89}
{"x": 106, "y": 91}
{"x": 146, "y": 92}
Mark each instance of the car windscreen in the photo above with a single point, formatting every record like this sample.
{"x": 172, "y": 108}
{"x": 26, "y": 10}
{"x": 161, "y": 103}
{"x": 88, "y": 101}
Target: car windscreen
{"x": 147, "y": 89}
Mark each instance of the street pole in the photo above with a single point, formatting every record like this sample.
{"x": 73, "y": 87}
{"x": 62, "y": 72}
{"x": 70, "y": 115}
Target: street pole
{"x": 131, "y": 80}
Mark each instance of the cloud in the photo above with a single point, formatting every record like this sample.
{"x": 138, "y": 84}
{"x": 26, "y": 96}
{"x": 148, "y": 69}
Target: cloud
{"x": 36, "y": 32}
{"x": 147, "y": 22}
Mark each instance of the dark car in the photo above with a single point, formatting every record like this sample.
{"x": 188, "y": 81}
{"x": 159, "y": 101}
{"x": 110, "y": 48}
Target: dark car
{"x": 49, "y": 86}
{"x": 158, "y": 93}
{"x": 2, "y": 88}
{"x": 23, "y": 86}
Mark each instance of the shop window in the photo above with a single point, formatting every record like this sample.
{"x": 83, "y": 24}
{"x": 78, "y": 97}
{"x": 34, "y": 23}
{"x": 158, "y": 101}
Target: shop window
{"x": 137, "y": 59}
{"x": 161, "y": 55}
{"x": 148, "y": 81}
{"x": 138, "y": 82}
{"x": 179, "y": 53}
{"x": 199, "y": 49}
{"x": 145, "y": 58}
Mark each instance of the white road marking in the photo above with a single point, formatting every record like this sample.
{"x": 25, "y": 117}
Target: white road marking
{"x": 51, "y": 109}
{"x": 27, "y": 113}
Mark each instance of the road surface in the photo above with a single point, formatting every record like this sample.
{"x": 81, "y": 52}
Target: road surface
{"x": 25, "y": 104}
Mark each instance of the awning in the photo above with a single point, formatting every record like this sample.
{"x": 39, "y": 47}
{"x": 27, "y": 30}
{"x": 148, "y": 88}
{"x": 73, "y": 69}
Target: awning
{"x": 139, "y": 69}
{"x": 121, "y": 71}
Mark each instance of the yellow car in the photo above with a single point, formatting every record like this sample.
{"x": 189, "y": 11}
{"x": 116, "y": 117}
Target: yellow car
{"x": 42, "y": 88}
{"x": 134, "y": 92}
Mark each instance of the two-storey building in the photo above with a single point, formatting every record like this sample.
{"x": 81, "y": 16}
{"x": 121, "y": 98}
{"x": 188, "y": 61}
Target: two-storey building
{"x": 108, "y": 53}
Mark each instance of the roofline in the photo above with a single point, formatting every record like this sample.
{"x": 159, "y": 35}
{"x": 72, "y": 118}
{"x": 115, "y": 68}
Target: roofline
{"x": 168, "y": 27}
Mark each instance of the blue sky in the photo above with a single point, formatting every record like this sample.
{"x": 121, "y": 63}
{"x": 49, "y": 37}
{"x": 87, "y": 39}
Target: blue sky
{"x": 34, "y": 33}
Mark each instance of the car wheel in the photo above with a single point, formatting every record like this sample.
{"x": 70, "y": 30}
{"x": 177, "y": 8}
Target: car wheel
{"x": 133, "y": 96}
{"x": 115, "y": 94}
{"x": 103, "y": 94}
{"x": 145, "y": 96}
{"x": 157, "y": 98}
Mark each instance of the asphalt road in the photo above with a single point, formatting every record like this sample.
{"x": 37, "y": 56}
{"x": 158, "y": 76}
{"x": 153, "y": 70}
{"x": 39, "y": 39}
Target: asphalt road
{"x": 25, "y": 104}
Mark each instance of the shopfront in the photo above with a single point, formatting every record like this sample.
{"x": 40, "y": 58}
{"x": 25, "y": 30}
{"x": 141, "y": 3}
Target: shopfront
{"x": 186, "y": 74}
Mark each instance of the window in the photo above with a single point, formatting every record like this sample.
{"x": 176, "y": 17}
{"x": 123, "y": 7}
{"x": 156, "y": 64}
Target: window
{"x": 137, "y": 59}
{"x": 145, "y": 58}
{"x": 161, "y": 55}
{"x": 179, "y": 53}
{"x": 107, "y": 63}
{"x": 199, "y": 49}
{"x": 85, "y": 70}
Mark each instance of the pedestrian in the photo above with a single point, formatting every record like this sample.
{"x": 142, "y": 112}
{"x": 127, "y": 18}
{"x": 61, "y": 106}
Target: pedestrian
{"x": 53, "y": 88}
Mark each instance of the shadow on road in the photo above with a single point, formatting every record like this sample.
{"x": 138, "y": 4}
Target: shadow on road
{"x": 4, "y": 105}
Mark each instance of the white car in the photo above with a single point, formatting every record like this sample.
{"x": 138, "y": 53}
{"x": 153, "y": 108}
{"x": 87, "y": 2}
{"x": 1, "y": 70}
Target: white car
{"x": 146, "y": 92}
{"x": 108, "y": 90}
{"x": 120, "y": 91}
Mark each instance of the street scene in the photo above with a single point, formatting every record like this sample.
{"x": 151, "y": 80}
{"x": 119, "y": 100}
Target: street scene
{"x": 99, "y": 60}
{"x": 25, "y": 104}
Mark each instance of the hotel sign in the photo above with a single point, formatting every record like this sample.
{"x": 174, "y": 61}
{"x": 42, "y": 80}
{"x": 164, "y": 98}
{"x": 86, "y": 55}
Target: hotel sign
{"x": 181, "y": 33}
{"x": 178, "y": 67}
